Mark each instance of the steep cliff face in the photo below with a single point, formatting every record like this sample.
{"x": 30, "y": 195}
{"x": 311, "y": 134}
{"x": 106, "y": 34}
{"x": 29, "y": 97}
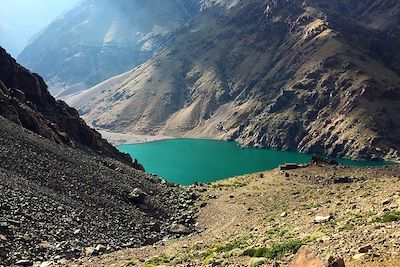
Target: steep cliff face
{"x": 24, "y": 99}
{"x": 304, "y": 75}
{"x": 100, "y": 39}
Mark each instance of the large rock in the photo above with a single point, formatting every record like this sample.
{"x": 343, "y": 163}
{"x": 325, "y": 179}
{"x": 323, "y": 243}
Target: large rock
{"x": 307, "y": 257}
{"x": 180, "y": 229}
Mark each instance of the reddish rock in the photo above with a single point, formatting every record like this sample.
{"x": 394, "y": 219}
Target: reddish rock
{"x": 307, "y": 257}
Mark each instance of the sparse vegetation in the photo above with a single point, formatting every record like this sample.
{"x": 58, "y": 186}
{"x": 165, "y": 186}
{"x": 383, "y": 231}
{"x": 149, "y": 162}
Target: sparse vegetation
{"x": 391, "y": 216}
{"x": 276, "y": 251}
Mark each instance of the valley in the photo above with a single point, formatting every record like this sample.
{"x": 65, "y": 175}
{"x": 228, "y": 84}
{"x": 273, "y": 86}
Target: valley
{"x": 202, "y": 133}
{"x": 271, "y": 74}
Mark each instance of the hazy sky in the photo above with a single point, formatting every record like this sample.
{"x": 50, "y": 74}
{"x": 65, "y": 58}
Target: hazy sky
{"x": 21, "y": 19}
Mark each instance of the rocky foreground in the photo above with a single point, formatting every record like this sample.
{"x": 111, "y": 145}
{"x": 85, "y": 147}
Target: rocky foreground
{"x": 346, "y": 215}
{"x": 65, "y": 192}
{"x": 60, "y": 203}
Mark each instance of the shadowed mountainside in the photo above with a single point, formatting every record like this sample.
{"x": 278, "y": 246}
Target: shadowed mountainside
{"x": 24, "y": 99}
{"x": 311, "y": 76}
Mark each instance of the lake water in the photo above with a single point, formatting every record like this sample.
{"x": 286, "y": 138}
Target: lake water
{"x": 186, "y": 161}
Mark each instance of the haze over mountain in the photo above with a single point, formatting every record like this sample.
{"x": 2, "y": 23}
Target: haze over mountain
{"x": 20, "y": 20}
{"x": 303, "y": 75}
{"x": 100, "y": 39}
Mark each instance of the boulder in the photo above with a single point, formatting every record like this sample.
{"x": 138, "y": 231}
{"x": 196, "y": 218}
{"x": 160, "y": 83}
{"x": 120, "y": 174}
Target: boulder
{"x": 179, "y": 229}
{"x": 307, "y": 257}
{"x": 322, "y": 219}
{"x": 365, "y": 249}
{"x": 137, "y": 195}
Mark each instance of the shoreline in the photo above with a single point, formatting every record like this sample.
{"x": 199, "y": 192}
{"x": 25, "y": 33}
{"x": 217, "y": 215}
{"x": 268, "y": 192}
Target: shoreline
{"x": 118, "y": 139}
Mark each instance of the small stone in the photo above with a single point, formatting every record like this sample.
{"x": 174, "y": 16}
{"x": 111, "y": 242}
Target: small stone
{"x": 89, "y": 251}
{"x": 46, "y": 264}
{"x": 283, "y": 214}
{"x": 180, "y": 229}
{"x": 365, "y": 249}
{"x": 359, "y": 256}
{"x": 386, "y": 201}
{"x": 322, "y": 219}
{"x": 137, "y": 195}
{"x": 24, "y": 263}
{"x": 2, "y": 238}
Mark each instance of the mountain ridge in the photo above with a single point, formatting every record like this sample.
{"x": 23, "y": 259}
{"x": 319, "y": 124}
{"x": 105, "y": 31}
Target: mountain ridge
{"x": 299, "y": 75}
{"x": 25, "y": 101}
{"x": 99, "y": 39}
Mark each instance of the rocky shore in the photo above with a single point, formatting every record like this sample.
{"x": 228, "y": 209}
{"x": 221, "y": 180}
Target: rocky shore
{"x": 118, "y": 139}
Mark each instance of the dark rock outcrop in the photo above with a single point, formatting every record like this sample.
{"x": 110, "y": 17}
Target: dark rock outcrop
{"x": 25, "y": 100}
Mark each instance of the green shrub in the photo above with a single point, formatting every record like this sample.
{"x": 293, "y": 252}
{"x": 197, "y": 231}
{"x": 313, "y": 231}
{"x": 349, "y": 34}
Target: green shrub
{"x": 257, "y": 262}
{"x": 276, "y": 251}
{"x": 391, "y": 216}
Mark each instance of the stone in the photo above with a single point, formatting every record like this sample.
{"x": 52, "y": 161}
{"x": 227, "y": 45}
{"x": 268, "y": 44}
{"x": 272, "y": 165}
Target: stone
{"x": 386, "y": 201}
{"x": 359, "y": 256}
{"x": 284, "y": 214}
{"x": 307, "y": 257}
{"x": 365, "y": 249}
{"x": 24, "y": 263}
{"x": 100, "y": 249}
{"x": 2, "y": 238}
{"x": 46, "y": 264}
{"x": 332, "y": 262}
{"x": 137, "y": 195}
{"x": 322, "y": 219}
{"x": 180, "y": 229}
{"x": 89, "y": 251}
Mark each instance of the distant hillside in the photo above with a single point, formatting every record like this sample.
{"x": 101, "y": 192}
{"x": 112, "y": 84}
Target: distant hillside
{"x": 99, "y": 39}
{"x": 314, "y": 76}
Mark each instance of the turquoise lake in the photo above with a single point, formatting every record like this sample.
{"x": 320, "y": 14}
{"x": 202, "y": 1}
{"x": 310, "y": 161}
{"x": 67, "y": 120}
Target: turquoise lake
{"x": 186, "y": 161}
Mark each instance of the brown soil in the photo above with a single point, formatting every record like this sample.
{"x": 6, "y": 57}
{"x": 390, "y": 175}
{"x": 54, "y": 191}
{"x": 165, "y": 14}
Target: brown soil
{"x": 247, "y": 212}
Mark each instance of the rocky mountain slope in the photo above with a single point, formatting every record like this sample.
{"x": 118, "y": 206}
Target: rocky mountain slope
{"x": 66, "y": 192}
{"x": 100, "y": 39}
{"x": 60, "y": 203}
{"x": 24, "y": 99}
{"x": 311, "y": 76}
